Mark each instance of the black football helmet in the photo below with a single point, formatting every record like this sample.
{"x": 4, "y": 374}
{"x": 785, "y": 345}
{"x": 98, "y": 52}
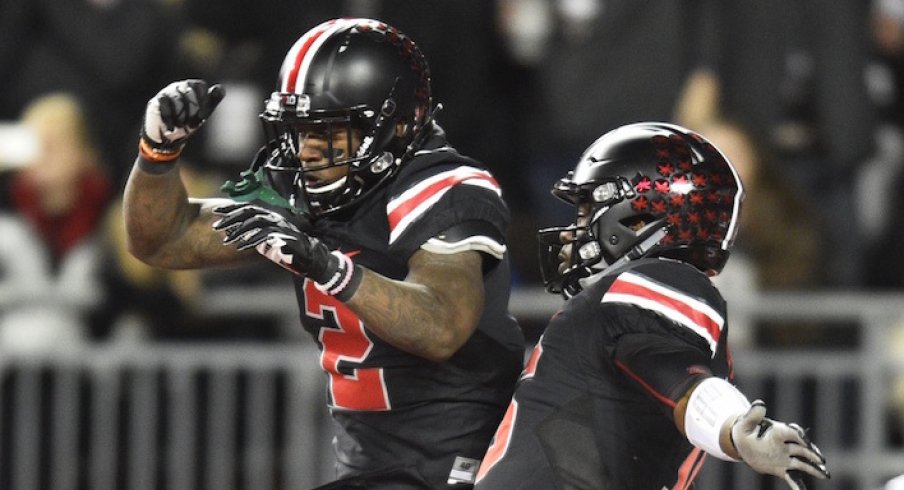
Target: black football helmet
{"x": 643, "y": 190}
{"x": 349, "y": 75}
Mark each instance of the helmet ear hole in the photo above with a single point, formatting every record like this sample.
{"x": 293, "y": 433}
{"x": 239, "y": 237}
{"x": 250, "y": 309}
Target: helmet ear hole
{"x": 637, "y": 222}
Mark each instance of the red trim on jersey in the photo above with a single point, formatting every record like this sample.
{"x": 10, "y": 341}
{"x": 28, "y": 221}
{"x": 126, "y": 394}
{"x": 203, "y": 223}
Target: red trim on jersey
{"x": 684, "y": 308}
{"x": 530, "y": 367}
{"x": 656, "y": 394}
{"x": 689, "y": 469}
{"x": 299, "y": 58}
{"x": 729, "y": 359}
{"x": 501, "y": 440}
{"x": 402, "y": 210}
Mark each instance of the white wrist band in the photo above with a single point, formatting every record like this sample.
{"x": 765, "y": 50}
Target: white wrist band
{"x": 712, "y": 403}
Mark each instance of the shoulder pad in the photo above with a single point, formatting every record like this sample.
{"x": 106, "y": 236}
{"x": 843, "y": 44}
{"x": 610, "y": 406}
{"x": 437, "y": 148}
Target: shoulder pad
{"x": 475, "y": 235}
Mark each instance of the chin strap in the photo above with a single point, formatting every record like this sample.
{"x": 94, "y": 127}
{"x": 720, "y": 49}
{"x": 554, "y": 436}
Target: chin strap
{"x": 641, "y": 248}
{"x": 421, "y": 137}
{"x": 635, "y": 253}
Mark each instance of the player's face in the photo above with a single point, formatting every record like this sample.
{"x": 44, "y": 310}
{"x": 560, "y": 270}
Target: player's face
{"x": 323, "y": 152}
{"x": 568, "y": 237}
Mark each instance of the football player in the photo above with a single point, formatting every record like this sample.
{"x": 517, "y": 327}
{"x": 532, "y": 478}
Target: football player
{"x": 630, "y": 386}
{"x": 395, "y": 240}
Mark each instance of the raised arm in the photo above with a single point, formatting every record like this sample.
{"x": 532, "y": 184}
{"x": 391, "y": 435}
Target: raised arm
{"x": 165, "y": 228}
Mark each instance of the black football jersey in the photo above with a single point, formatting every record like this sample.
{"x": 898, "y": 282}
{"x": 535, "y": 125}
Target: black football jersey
{"x": 393, "y": 409}
{"x": 593, "y": 407}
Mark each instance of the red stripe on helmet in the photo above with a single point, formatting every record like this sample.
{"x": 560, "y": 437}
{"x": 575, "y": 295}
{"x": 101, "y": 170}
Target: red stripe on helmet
{"x": 302, "y": 53}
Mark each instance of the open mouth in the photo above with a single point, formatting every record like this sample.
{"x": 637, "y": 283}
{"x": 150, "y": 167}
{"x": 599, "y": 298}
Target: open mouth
{"x": 316, "y": 185}
{"x": 313, "y": 181}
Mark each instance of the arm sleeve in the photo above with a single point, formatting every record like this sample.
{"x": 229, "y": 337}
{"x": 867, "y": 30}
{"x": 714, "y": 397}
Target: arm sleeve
{"x": 480, "y": 209}
{"x": 659, "y": 358}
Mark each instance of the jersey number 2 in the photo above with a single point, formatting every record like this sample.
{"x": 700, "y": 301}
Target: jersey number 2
{"x": 344, "y": 341}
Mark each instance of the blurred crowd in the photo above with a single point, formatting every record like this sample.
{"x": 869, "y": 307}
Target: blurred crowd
{"x": 805, "y": 98}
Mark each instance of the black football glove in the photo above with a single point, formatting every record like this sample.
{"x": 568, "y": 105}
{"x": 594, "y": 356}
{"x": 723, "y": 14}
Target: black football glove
{"x": 276, "y": 238}
{"x": 174, "y": 114}
{"x": 776, "y": 448}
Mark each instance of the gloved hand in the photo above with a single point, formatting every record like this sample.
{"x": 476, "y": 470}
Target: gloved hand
{"x": 281, "y": 241}
{"x": 174, "y": 114}
{"x": 776, "y": 448}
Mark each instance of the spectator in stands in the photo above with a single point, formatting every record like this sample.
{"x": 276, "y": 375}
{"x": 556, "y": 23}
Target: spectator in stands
{"x": 880, "y": 196}
{"x": 769, "y": 258}
{"x": 50, "y": 221}
{"x": 108, "y": 53}
{"x": 886, "y": 266}
{"x": 593, "y": 67}
{"x": 800, "y": 87}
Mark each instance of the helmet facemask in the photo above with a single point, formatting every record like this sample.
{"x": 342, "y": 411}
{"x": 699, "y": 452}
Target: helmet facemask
{"x": 564, "y": 261}
{"x": 349, "y": 79}
{"x": 571, "y": 253}
{"x": 352, "y": 139}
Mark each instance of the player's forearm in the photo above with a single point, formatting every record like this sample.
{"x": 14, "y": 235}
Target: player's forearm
{"x": 166, "y": 229}
{"x": 414, "y": 318}
{"x": 155, "y": 208}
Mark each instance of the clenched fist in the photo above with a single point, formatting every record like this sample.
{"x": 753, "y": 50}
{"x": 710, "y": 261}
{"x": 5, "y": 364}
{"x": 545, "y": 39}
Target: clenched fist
{"x": 174, "y": 114}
